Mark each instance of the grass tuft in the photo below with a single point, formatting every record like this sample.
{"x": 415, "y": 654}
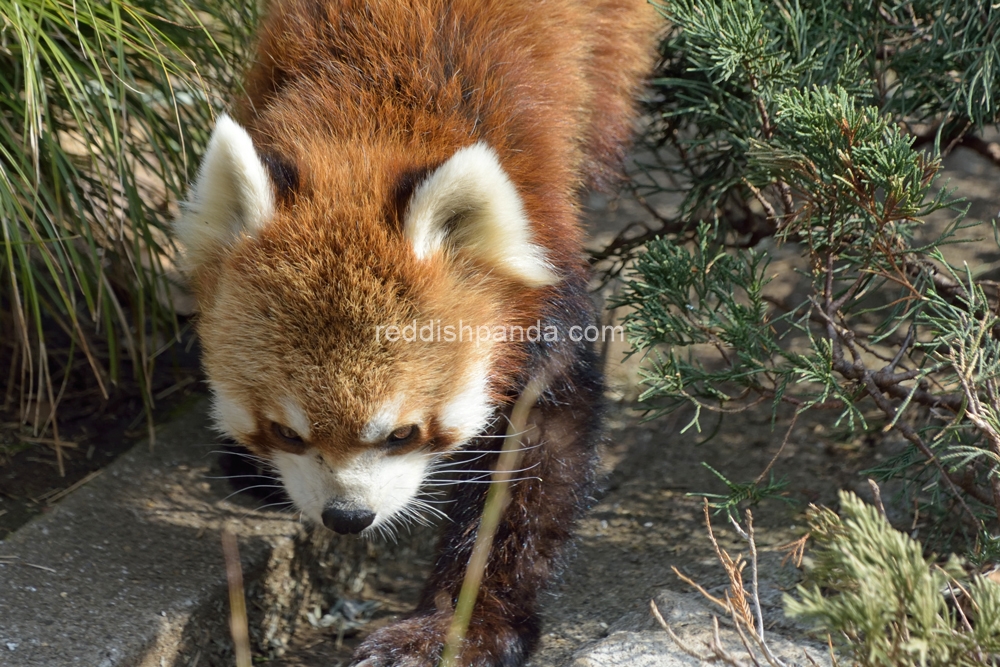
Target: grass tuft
{"x": 103, "y": 106}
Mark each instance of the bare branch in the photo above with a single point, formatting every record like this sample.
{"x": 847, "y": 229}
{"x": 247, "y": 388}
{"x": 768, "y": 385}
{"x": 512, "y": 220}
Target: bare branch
{"x": 877, "y": 493}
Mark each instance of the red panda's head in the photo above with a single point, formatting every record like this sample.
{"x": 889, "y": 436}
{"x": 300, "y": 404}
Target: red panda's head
{"x": 324, "y": 316}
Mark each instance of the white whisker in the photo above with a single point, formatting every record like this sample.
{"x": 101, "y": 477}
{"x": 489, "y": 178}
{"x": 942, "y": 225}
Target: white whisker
{"x": 249, "y": 488}
{"x": 237, "y": 476}
{"x": 453, "y": 482}
{"x": 245, "y": 455}
{"x": 459, "y": 462}
{"x": 284, "y": 503}
{"x": 489, "y": 472}
{"x": 437, "y": 502}
{"x": 488, "y": 451}
{"x": 287, "y": 503}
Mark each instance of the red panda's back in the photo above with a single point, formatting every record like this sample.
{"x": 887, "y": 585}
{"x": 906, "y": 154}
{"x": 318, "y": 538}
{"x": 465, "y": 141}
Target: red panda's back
{"x": 550, "y": 84}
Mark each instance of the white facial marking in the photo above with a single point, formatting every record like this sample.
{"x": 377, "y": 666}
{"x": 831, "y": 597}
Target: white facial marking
{"x": 492, "y": 223}
{"x": 295, "y": 417}
{"x": 230, "y": 417}
{"x": 372, "y": 480}
{"x": 385, "y": 484}
{"x": 384, "y": 421}
{"x": 306, "y": 480}
{"x": 468, "y": 412}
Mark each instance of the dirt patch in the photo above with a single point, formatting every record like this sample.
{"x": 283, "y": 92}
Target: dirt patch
{"x": 394, "y": 585}
{"x": 652, "y": 517}
{"x": 35, "y": 474}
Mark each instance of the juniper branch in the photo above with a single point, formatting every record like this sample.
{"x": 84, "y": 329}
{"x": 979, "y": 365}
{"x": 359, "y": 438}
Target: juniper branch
{"x": 785, "y": 113}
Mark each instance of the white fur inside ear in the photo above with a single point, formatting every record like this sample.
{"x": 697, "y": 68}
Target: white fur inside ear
{"x": 469, "y": 202}
{"x": 232, "y": 194}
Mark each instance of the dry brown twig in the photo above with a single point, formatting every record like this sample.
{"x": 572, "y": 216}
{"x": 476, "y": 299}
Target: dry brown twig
{"x": 795, "y": 550}
{"x": 743, "y": 606}
{"x": 877, "y": 493}
{"x": 717, "y": 652}
{"x": 237, "y": 602}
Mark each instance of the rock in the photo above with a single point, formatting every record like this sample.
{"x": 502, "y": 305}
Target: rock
{"x": 634, "y": 641}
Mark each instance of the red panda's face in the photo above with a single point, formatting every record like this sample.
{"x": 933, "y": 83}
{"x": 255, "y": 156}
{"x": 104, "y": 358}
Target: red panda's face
{"x": 326, "y": 329}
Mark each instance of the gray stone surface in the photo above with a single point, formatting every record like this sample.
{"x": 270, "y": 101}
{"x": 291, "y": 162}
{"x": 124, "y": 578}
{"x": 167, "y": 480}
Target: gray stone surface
{"x": 637, "y": 640}
{"x": 126, "y": 566}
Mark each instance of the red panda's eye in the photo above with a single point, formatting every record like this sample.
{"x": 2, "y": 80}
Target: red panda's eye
{"x": 286, "y": 433}
{"x": 402, "y": 434}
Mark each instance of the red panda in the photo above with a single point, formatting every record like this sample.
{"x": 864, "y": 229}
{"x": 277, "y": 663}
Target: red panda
{"x": 397, "y": 163}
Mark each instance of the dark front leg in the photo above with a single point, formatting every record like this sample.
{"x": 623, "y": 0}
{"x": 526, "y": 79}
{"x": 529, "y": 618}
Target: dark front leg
{"x": 528, "y": 548}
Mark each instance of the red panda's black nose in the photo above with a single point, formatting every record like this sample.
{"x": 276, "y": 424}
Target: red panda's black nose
{"x": 347, "y": 521}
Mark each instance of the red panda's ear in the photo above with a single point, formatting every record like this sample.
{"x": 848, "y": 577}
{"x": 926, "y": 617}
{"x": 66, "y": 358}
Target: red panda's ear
{"x": 469, "y": 203}
{"x": 232, "y": 195}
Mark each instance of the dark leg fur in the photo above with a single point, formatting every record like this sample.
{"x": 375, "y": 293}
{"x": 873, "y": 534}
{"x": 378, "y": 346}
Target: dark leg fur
{"x": 527, "y": 552}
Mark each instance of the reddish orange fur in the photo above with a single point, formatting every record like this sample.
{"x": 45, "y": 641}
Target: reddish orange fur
{"x": 363, "y": 96}
{"x": 361, "y": 99}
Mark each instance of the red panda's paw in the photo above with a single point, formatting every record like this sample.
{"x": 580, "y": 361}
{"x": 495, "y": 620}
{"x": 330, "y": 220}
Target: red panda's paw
{"x": 412, "y": 642}
{"x": 418, "y": 642}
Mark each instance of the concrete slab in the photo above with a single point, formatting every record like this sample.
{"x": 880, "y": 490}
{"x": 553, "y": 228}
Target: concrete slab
{"x": 128, "y": 569}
